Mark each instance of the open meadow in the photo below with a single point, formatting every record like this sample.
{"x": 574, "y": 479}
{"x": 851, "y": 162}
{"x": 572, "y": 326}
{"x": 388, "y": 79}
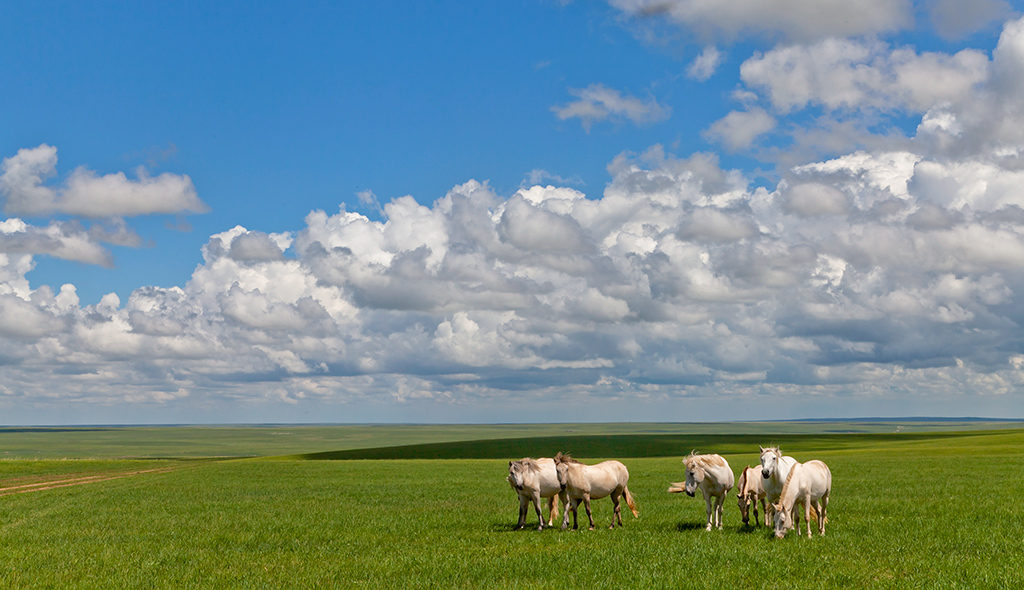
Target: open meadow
{"x": 921, "y": 509}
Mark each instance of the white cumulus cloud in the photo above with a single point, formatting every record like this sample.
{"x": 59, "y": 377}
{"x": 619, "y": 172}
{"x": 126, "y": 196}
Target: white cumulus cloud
{"x": 597, "y": 103}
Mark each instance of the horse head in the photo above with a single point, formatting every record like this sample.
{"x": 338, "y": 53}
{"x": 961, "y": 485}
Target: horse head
{"x": 694, "y": 476}
{"x": 783, "y": 520}
{"x": 744, "y": 503}
{"x": 515, "y": 474}
{"x": 769, "y": 460}
{"x": 562, "y": 470}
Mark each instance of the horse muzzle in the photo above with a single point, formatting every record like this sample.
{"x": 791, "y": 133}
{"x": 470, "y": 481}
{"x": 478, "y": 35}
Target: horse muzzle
{"x": 766, "y": 474}
{"x": 519, "y": 487}
{"x": 690, "y": 494}
{"x": 563, "y": 487}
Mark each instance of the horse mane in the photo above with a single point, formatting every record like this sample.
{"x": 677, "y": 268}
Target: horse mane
{"x": 742, "y": 486}
{"x": 704, "y": 461}
{"x": 564, "y": 458}
{"x": 785, "y": 486}
{"x": 528, "y": 462}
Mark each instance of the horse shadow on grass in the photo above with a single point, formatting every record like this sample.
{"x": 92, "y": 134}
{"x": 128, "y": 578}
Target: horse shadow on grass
{"x": 683, "y": 527}
{"x": 743, "y": 529}
{"x": 507, "y": 527}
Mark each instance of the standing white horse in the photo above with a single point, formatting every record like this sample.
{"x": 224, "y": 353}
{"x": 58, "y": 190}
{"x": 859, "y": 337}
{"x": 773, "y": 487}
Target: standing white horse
{"x": 808, "y": 484}
{"x": 751, "y": 491}
{"x": 533, "y": 479}
{"x": 710, "y": 473}
{"x": 592, "y": 482}
{"x": 774, "y": 469}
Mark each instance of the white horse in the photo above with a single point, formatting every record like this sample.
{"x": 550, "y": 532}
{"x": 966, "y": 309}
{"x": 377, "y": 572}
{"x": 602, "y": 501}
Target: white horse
{"x": 808, "y": 484}
{"x": 533, "y": 479}
{"x": 751, "y": 491}
{"x": 774, "y": 468}
{"x": 710, "y": 473}
{"x": 592, "y": 482}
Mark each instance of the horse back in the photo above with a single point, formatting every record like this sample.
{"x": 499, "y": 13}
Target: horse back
{"x": 719, "y": 478}
{"x": 818, "y": 477}
{"x": 604, "y": 478}
{"x": 541, "y": 477}
{"x": 750, "y": 482}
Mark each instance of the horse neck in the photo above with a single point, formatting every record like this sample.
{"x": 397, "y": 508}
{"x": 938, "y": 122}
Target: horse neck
{"x": 782, "y": 465}
{"x": 784, "y": 496}
{"x": 576, "y": 474}
{"x": 747, "y": 485}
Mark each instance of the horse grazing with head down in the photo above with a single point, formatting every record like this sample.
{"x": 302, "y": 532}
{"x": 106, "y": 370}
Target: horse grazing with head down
{"x": 751, "y": 491}
{"x": 808, "y": 484}
{"x": 710, "y": 473}
{"x": 592, "y": 482}
{"x": 533, "y": 479}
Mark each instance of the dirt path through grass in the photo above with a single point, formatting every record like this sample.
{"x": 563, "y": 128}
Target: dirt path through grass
{"x": 49, "y": 484}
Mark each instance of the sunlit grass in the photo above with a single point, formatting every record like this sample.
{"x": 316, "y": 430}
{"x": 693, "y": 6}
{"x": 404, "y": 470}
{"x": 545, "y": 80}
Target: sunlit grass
{"x": 938, "y": 513}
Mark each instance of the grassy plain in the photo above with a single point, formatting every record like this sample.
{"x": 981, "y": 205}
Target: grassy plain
{"x": 152, "y": 442}
{"x": 908, "y": 511}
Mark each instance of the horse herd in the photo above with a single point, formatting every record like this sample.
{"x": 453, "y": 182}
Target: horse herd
{"x": 781, "y": 481}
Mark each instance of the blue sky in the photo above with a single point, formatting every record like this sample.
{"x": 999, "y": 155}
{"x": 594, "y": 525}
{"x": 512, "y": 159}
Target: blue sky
{"x": 276, "y": 111}
{"x": 622, "y": 210}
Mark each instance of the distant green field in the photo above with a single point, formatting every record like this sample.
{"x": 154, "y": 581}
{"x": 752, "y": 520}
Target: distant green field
{"x": 917, "y": 510}
{"x": 135, "y": 442}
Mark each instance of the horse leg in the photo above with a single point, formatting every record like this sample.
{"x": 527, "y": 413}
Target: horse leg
{"x": 536, "y": 506}
{"x": 552, "y": 509}
{"x": 522, "y": 512}
{"x": 807, "y": 514}
{"x": 821, "y": 515}
{"x": 719, "y": 500}
{"x": 764, "y": 509}
{"x": 570, "y": 506}
{"x": 707, "y": 500}
{"x": 590, "y": 515}
{"x": 616, "y": 509}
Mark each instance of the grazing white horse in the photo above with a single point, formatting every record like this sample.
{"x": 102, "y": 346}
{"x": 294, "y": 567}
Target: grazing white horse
{"x": 710, "y": 473}
{"x": 592, "y": 482}
{"x": 533, "y": 479}
{"x": 751, "y": 491}
{"x": 808, "y": 484}
{"x": 774, "y": 468}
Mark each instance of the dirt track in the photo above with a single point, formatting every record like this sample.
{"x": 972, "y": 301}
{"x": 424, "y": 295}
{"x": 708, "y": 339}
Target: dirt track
{"x": 50, "y": 484}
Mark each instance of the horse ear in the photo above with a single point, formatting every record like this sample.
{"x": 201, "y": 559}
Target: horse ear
{"x": 510, "y": 464}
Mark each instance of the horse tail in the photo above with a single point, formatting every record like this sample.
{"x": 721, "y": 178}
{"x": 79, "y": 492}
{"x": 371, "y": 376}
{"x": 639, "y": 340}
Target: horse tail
{"x": 815, "y": 515}
{"x": 630, "y": 502}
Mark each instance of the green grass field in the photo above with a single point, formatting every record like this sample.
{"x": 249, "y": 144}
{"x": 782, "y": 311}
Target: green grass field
{"x": 917, "y": 510}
